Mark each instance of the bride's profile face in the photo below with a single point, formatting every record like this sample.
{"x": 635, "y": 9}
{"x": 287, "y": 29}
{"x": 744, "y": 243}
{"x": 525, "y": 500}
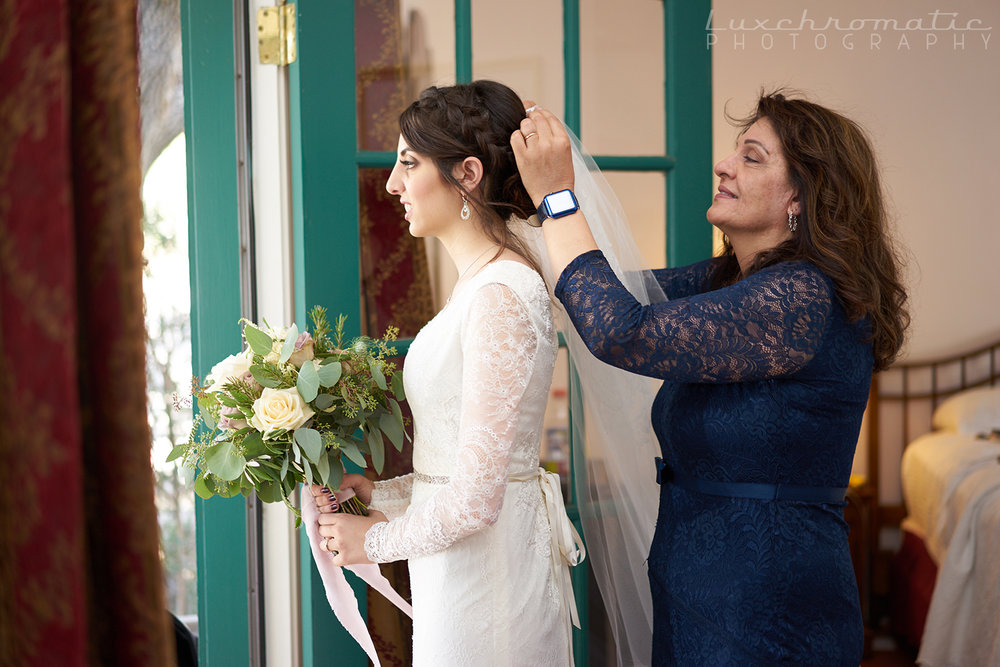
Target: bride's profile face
{"x": 431, "y": 205}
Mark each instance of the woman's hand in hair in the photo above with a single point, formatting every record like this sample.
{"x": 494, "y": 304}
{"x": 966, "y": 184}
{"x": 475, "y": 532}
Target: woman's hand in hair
{"x": 543, "y": 153}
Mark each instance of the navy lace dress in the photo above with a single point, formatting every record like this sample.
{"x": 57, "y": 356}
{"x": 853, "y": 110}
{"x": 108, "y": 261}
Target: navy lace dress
{"x": 765, "y": 381}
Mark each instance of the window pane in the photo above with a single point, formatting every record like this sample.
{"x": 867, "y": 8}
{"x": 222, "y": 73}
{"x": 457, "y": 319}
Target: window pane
{"x": 524, "y": 54}
{"x": 401, "y": 47}
{"x": 166, "y": 288}
{"x": 622, "y": 77}
{"x": 395, "y": 278}
{"x": 644, "y": 198}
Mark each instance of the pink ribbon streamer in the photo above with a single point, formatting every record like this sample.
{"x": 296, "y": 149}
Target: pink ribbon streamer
{"x": 339, "y": 593}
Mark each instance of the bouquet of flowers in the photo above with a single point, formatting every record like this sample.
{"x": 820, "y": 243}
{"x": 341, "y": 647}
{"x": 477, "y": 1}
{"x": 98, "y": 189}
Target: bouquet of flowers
{"x": 287, "y": 408}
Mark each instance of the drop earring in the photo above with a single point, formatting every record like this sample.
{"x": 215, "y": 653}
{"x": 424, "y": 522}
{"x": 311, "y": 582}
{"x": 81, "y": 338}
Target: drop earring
{"x": 793, "y": 222}
{"x": 466, "y": 213}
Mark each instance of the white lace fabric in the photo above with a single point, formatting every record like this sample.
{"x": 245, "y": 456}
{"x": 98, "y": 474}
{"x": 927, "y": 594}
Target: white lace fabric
{"x": 499, "y": 346}
{"x": 477, "y": 379}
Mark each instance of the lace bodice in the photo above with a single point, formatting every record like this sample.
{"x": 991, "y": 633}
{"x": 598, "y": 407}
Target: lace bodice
{"x": 476, "y": 379}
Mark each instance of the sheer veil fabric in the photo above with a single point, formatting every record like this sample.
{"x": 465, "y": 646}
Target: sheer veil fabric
{"x": 613, "y": 440}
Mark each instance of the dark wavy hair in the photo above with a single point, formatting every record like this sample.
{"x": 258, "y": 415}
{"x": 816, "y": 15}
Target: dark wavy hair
{"x": 843, "y": 225}
{"x": 449, "y": 124}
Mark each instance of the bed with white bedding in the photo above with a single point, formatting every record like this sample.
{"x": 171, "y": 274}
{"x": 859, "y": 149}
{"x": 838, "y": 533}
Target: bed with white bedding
{"x": 951, "y": 484}
{"x": 940, "y": 421}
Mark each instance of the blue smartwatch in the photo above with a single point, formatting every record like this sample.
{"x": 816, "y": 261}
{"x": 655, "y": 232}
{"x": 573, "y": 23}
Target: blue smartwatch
{"x": 557, "y": 205}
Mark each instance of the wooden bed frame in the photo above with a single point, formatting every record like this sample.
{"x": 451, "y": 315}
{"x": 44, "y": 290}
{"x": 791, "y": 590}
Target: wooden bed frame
{"x": 900, "y": 407}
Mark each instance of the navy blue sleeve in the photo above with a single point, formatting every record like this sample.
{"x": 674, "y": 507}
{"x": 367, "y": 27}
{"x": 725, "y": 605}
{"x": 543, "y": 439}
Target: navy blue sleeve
{"x": 686, "y": 280}
{"x": 765, "y": 326}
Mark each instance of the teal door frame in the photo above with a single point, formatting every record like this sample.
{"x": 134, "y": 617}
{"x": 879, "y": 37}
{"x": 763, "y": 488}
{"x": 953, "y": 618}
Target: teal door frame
{"x": 327, "y": 266}
{"x": 214, "y": 255}
{"x": 326, "y": 241}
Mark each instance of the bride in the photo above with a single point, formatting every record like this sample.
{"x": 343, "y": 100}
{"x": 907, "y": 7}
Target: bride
{"x": 482, "y": 527}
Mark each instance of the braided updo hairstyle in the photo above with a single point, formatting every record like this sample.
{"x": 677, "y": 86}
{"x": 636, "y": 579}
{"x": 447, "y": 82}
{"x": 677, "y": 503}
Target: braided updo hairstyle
{"x": 449, "y": 124}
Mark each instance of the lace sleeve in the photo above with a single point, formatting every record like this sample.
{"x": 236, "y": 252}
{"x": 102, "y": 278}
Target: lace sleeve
{"x": 499, "y": 346}
{"x": 392, "y": 496}
{"x": 767, "y": 325}
{"x": 686, "y": 280}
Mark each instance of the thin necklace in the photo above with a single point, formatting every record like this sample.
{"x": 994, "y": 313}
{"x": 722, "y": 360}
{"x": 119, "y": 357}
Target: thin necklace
{"x": 462, "y": 275}
{"x": 479, "y": 257}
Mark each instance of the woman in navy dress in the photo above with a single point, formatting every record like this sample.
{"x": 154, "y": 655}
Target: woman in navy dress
{"x": 767, "y": 354}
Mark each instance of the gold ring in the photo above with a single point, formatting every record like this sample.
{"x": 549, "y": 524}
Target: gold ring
{"x": 529, "y": 135}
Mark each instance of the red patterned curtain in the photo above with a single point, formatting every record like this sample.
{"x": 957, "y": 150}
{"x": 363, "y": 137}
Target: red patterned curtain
{"x": 80, "y": 577}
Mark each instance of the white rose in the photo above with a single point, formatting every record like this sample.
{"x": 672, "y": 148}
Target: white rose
{"x": 280, "y": 408}
{"x": 233, "y": 366}
{"x": 274, "y": 355}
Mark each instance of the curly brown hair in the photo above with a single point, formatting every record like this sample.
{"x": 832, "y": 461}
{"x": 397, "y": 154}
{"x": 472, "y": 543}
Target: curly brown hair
{"x": 449, "y": 124}
{"x": 843, "y": 224}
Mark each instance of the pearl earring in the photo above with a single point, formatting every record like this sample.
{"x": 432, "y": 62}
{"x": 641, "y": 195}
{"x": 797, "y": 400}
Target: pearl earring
{"x": 466, "y": 213}
{"x": 793, "y": 222}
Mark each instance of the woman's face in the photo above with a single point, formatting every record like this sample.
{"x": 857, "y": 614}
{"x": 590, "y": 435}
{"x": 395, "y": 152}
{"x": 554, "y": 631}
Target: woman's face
{"x": 755, "y": 194}
{"x": 431, "y": 205}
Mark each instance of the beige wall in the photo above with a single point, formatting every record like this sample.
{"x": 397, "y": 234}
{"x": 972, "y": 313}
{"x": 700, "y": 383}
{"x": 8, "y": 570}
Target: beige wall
{"x": 929, "y": 99}
{"x": 931, "y": 107}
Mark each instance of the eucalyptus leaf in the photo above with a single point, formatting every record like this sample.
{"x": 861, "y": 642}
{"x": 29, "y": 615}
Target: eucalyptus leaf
{"x": 323, "y": 402}
{"x": 201, "y": 487}
{"x": 262, "y": 377}
{"x": 352, "y": 452}
{"x": 308, "y": 382}
{"x": 223, "y": 460}
{"x": 377, "y": 374}
{"x": 397, "y": 412}
{"x": 311, "y": 443}
{"x": 206, "y": 413}
{"x": 176, "y": 452}
{"x": 284, "y": 467}
{"x": 308, "y": 470}
{"x": 397, "y": 385}
{"x": 392, "y": 428}
{"x": 330, "y": 373}
{"x": 289, "y": 346}
{"x": 377, "y": 446}
{"x": 259, "y": 341}
{"x": 269, "y": 492}
{"x": 336, "y": 475}
{"x": 230, "y": 489}
{"x": 323, "y": 468}
{"x": 262, "y": 473}
{"x": 254, "y": 445}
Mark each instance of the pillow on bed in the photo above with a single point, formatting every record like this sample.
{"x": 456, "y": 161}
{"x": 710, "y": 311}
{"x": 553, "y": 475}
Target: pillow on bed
{"x": 970, "y": 412}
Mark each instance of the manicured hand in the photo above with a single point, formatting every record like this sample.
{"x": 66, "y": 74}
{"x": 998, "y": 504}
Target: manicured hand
{"x": 326, "y": 500}
{"x": 344, "y": 536}
{"x": 543, "y": 153}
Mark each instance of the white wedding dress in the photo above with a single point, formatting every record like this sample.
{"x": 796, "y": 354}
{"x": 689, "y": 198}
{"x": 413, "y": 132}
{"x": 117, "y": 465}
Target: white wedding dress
{"x": 472, "y": 520}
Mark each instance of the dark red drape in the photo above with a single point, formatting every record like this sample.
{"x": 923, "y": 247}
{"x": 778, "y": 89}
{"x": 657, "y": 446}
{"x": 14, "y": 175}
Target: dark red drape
{"x": 80, "y": 577}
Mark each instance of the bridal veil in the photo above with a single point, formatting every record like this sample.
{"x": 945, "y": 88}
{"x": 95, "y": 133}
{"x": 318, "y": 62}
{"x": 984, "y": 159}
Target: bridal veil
{"x": 613, "y": 442}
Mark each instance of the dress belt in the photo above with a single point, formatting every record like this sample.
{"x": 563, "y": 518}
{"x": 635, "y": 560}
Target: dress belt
{"x": 567, "y": 547}
{"x": 808, "y": 494}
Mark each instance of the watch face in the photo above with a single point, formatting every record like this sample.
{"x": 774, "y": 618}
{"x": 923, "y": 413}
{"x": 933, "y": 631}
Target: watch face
{"x": 560, "y": 203}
